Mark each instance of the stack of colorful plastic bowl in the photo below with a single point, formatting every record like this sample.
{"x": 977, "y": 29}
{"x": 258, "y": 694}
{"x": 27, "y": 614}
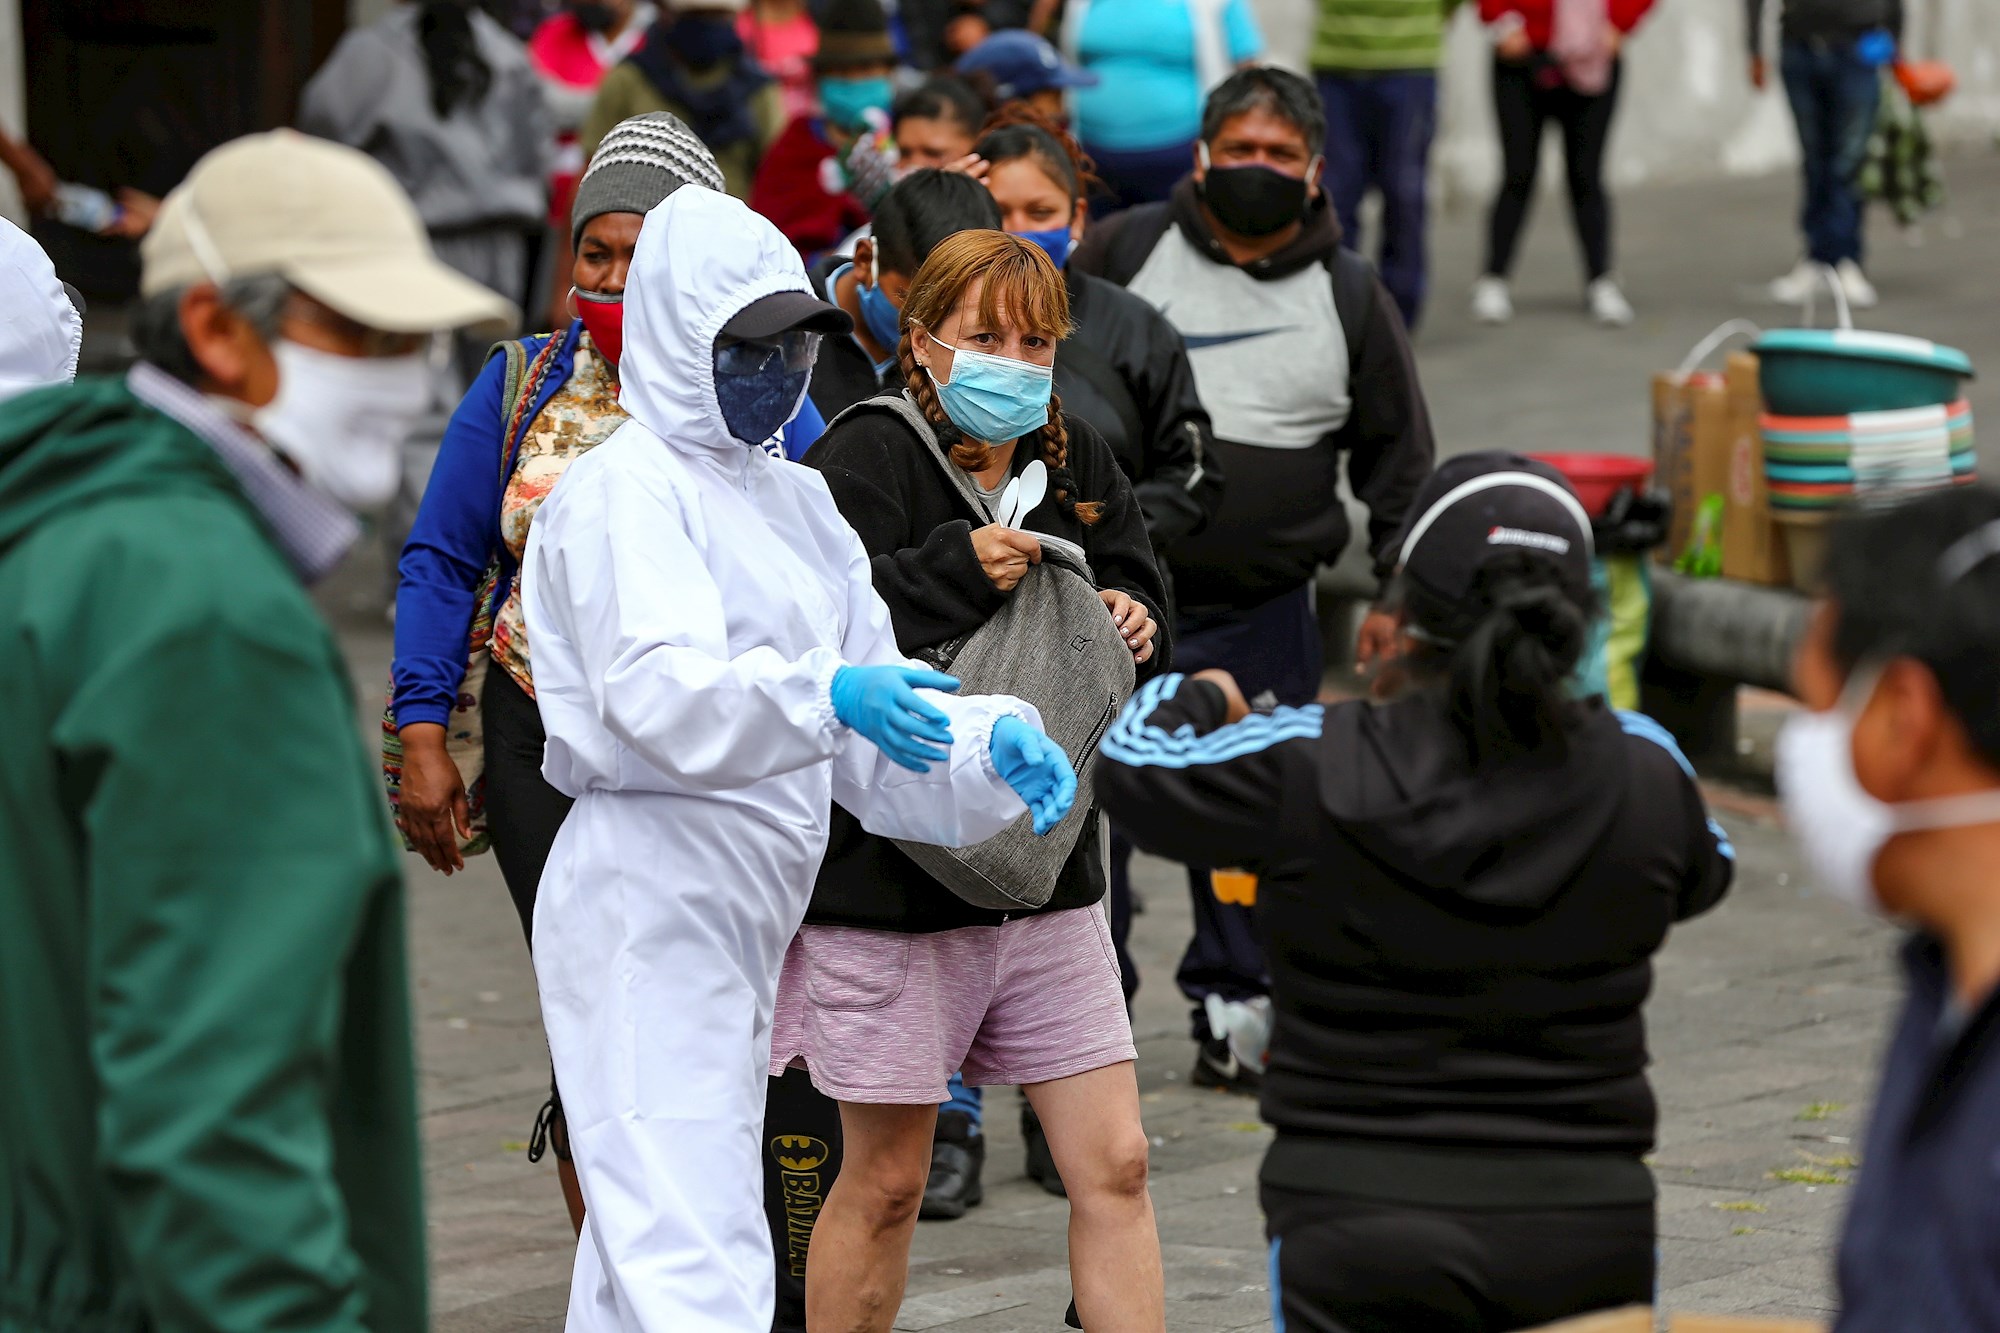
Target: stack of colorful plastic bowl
{"x": 1854, "y": 417}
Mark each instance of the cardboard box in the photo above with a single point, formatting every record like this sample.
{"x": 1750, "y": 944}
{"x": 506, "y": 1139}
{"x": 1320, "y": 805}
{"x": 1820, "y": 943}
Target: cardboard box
{"x": 1690, "y": 447}
{"x": 1753, "y": 547}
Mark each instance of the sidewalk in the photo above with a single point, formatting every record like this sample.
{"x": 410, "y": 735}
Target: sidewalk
{"x": 1768, "y": 1013}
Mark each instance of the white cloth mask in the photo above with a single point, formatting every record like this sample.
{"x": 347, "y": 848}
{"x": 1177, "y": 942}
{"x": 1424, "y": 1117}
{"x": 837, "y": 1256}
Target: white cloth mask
{"x": 1839, "y": 828}
{"x": 342, "y": 420}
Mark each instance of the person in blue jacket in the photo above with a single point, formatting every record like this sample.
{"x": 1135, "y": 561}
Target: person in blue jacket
{"x": 498, "y": 461}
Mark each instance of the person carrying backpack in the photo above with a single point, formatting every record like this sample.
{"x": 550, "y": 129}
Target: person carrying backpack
{"x": 901, "y": 975}
{"x": 1301, "y": 359}
{"x": 1463, "y": 887}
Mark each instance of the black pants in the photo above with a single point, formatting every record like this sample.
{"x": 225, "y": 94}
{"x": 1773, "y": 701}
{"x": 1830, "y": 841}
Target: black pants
{"x": 523, "y": 815}
{"x": 523, "y": 812}
{"x": 1342, "y": 1265}
{"x": 1526, "y": 97}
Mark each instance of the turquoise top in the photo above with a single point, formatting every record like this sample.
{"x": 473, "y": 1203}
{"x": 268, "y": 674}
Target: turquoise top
{"x": 1144, "y": 53}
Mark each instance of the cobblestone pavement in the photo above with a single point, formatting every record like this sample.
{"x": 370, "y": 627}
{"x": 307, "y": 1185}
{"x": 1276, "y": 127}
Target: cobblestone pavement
{"x": 1768, "y": 1013}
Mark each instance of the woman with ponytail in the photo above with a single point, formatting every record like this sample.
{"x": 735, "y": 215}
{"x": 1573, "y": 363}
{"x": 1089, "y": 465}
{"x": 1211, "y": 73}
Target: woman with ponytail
{"x": 1461, "y": 889}
{"x": 894, "y": 982}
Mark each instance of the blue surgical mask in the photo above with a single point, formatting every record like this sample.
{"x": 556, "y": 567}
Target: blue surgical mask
{"x": 994, "y": 398}
{"x": 879, "y": 313}
{"x": 847, "y": 101}
{"x": 1055, "y": 243}
{"x": 759, "y": 395}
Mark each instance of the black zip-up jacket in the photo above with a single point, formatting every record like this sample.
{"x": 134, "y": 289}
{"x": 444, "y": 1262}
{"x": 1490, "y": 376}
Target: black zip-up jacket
{"x": 917, "y": 531}
{"x": 1281, "y": 516}
{"x": 1458, "y": 957}
{"x": 1826, "y": 20}
{"x": 1920, "y": 1249}
{"x": 1123, "y": 370}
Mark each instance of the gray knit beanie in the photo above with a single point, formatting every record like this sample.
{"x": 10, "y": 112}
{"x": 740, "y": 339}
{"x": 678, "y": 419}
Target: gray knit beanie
{"x": 642, "y": 161}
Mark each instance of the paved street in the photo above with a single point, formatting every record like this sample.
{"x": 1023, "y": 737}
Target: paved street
{"x": 1768, "y": 1013}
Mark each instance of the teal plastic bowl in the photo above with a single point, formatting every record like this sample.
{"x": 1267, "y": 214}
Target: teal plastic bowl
{"x": 1832, "y": 372}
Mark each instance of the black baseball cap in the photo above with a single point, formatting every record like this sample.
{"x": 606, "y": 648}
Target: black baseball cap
{"x": 781, "y": 312}
{"x": 1478, "y": 508}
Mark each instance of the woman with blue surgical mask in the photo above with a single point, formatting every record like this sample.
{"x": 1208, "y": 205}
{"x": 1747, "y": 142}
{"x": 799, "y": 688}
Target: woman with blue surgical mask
{"x": 1029, "y": 998}
{"x": 714, "y": 671}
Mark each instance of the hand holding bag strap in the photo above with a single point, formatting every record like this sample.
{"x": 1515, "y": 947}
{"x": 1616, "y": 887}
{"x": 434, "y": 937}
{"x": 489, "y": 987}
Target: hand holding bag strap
{"x": 1058, "y": 550}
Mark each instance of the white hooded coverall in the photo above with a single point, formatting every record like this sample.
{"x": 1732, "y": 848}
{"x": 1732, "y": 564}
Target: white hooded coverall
{"x": 689, "y": 599}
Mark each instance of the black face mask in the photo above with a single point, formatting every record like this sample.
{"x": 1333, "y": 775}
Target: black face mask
{"x": 1254, "y": 201}
{"x": 594, "y": 15}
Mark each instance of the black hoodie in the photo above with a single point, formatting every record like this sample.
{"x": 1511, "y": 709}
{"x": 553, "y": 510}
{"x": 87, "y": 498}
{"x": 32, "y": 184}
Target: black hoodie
{"x": 1458, "y": 957}
{"x": 1299, "y": 357}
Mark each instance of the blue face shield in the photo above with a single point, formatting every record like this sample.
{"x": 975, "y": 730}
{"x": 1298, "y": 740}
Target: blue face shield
{"x": 759, "y": 385}
{"x": 1055, "y": 243}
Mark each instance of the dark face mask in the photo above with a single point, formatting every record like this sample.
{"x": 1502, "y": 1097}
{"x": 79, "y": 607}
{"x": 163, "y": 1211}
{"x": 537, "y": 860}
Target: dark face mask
{"x": 758, "y": 385}
{"x": 1254, "y": 201}
{"x": 593, "y": 15}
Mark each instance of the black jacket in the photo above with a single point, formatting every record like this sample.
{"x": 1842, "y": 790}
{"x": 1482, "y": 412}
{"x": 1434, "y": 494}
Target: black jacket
{"x": 916, "y": 528}
{"x": 1826, "y": 20}
{"x": 1125, "y": 371}
{"x": 1281, "y": 516}
{"x": 1458, "y": 958}
{"x": 1920, "y": 1249}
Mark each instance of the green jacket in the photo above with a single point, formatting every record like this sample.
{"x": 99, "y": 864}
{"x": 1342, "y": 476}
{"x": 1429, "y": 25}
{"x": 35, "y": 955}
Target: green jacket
{"x": 1380, "y": 36}
{"x": 207, "y": 1101}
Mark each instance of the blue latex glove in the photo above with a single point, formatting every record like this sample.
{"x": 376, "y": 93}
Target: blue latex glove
{"x": 1036, "y": 768}
{"x": 881, "y": 703}
{"x": 1876, "y": 48}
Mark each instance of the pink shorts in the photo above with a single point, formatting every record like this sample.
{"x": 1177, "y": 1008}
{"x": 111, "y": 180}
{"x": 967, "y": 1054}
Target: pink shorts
{"x": 884, "y": 1018}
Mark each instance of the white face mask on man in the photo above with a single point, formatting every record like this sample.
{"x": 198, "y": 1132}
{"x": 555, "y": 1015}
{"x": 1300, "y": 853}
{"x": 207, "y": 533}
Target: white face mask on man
{"x": 342, "y": 420}
{"x": 1839, "y": 828}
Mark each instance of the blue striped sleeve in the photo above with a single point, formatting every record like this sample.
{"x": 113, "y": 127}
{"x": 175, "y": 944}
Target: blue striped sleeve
{"x": 1638, "y": 724}
{"x": 1134, "y": 740}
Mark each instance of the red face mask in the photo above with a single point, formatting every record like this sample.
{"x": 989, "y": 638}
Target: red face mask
{"x": 604, "y": 319}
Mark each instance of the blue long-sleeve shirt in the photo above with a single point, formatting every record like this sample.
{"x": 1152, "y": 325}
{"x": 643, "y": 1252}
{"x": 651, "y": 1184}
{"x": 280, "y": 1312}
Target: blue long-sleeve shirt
{"x": 457, "y": 532}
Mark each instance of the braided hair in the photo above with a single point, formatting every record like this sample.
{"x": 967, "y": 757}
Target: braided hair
{"x": 1018, "y": 277}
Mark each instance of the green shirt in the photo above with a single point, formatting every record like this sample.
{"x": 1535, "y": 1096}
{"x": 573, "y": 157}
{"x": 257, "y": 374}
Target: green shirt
{"x": 1380, "y": 36}
{"x": 207, "y": 1100}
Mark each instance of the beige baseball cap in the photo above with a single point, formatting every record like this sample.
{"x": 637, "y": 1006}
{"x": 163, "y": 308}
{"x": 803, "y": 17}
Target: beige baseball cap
{"x": 326, "y": 217}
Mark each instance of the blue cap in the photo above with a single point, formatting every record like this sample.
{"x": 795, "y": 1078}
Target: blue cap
{"x": 1022, "y": 64}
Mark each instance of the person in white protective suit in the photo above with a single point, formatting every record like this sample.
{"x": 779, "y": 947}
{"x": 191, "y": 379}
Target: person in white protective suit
{"x": 714, "y": 670}
{"x": 41, "y": 330}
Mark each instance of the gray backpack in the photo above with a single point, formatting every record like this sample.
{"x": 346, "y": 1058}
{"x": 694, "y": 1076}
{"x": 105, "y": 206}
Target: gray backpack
{"x": 1052, "y": 645}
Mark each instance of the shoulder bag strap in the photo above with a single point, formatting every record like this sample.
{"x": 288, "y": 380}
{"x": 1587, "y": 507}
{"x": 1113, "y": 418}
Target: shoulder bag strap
{"x": 905, "y": 407}
{"x": 1353, "y": 299}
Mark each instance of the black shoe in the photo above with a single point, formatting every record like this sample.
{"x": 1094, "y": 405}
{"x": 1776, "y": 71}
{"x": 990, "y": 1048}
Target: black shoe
{"x": 957, "y": 1155}
{"x": 1041, "y": 1162}
{"x": 1216, "y": 1066}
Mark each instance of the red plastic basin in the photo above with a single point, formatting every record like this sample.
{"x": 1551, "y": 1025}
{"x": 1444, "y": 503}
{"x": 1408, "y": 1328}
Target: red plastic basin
{"x": 1596, "y": 478}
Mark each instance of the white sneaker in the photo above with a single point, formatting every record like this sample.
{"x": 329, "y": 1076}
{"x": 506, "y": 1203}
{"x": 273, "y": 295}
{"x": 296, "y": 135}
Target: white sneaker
{"x": 1860, "y": 292}
{"x": 1798, "y": 286}
{"x": 1608, "y": 305}
{"x": 1490, "y": 302}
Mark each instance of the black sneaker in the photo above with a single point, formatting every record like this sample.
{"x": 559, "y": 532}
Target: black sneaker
{"x": 1216, "y": 1066}
{"x": 1041, "y": 1162}
{"x": 957, "y": 1155}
